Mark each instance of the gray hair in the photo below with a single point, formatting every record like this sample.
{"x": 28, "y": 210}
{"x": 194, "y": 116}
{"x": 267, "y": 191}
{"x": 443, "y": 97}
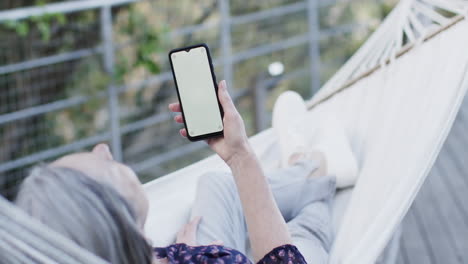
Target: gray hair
{"x": 92, "y": 214}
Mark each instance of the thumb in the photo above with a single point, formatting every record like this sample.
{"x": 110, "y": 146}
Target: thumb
{"x": 195, "y": 221}
{"x": 225, "y": 98}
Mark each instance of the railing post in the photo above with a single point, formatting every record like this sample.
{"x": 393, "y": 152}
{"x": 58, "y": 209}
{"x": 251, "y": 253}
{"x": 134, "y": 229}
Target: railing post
{"x": 226, "y": 45}
{"x": 109, "y": 66}
{"x": 314, "y": 44}
{"x": 260, "y": 97}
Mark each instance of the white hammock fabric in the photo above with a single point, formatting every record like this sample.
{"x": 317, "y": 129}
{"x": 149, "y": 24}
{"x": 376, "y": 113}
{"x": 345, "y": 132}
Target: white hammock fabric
{"x": 397, "y": 118}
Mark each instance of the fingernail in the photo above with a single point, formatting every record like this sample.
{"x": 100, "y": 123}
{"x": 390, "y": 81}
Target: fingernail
{"x": 223, "y": 84}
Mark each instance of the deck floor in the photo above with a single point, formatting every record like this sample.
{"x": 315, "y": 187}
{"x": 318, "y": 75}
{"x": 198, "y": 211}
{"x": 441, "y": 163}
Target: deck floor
{"x": 435, "y": 230}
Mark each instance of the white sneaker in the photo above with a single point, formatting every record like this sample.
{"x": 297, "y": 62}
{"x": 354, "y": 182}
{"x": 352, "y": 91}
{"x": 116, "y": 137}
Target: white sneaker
{"x": 288, "y": 113}
{"x": 331, "y": 140}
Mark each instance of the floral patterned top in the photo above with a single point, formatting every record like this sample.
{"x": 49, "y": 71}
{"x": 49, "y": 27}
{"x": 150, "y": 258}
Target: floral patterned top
{"x": 184, "y": 254}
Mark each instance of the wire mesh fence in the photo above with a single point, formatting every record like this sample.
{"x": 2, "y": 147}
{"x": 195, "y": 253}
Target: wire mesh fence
{"x": 76, "y": 73}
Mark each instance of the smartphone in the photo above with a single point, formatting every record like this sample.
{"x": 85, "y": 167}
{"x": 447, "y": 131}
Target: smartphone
{"x": 197, "y": 91}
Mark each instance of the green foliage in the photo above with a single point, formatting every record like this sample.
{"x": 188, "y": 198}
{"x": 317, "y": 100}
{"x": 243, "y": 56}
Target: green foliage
{"x": 42, "y": 24}
{"x": 89, "y": 78}
{"x": 20, "y": 27}
{"x": 149, "y": 39}
{"x": 141, "y": 55}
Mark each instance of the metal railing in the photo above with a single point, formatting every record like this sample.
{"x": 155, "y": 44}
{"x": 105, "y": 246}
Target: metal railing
{"x": 227, "y": 60}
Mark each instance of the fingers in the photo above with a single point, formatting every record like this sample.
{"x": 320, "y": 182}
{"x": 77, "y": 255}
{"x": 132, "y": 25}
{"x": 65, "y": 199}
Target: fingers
{"x": 193, "y": 225}
{"x": 175, "y": 107}
{"x": 179, "y": 119}
{"x": 190, "y": 229}
{"x": 225, "y": 98}
{"x": 183, "y": 132}
{"x": 188, "y": 232}
{"x": 217, "y": 243}
{"x": 181, "y": 234}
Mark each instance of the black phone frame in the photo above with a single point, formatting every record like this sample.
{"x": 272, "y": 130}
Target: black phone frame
{"x": 213, "y": 76}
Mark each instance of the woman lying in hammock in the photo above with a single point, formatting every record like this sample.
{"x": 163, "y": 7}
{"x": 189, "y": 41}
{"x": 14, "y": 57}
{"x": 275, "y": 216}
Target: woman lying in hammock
{"x": 101, "y": 205}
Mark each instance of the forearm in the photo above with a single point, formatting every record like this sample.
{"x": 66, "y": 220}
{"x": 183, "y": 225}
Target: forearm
{"x": 266, "y": 225}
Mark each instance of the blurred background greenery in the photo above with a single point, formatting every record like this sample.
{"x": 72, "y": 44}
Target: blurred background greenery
{"x": 143, "y": 33}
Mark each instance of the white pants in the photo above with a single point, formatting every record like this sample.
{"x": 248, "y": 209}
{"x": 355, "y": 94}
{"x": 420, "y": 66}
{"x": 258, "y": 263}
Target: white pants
{"x": 304, "y": 203}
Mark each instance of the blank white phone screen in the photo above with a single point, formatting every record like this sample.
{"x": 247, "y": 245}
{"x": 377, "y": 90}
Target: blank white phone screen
{"x": 197, "y": 92}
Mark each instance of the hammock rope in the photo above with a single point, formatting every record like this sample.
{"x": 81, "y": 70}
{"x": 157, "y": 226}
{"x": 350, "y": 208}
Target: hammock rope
{"x": 416, "y": 21}
{"x": 407, "y": 48}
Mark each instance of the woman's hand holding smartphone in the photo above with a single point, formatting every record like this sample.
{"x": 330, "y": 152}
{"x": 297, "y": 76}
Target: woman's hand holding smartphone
{"x": 261, "y": 212}
{"x": 234, "y": 144}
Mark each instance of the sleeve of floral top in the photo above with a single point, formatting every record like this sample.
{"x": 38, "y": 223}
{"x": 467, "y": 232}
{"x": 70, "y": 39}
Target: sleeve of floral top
{"x": 287, "y": 254}
{"x": 184, "y": 254}
{"x": 181, "y": 254}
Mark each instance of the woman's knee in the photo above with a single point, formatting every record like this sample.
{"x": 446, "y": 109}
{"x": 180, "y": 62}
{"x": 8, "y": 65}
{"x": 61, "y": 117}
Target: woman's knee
{"x": 215, "y": 181}
{"x": 216, "y": 189}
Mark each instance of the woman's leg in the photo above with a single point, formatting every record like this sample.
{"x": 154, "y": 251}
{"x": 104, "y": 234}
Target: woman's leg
{"x": 299, "y": 185}
{"x": 217, "y": 201}
{"x": 219, "y": 205}
{"x": 305, "y": 195}
{"x": 312, "y": 233}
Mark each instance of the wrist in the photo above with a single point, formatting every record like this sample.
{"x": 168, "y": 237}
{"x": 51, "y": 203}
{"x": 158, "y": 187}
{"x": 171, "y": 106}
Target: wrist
{"x": 243, "y": 154}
